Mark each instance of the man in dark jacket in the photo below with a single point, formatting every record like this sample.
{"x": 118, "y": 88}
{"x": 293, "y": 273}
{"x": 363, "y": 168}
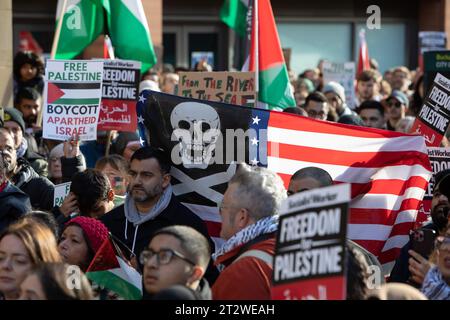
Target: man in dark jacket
{"x": 14, "y": 203}
{"x": 22, "y": 175}
{"x": 408, "y": 259}
{"x": 176, "y": 255}
{"x": 150, "y": 205}
{"x": 24, "y": 143}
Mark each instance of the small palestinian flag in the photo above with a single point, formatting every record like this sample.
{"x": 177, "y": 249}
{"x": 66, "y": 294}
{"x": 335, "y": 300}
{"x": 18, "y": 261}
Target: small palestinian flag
{"x": 74, "y": 93}
{"x": 110, "y": 270}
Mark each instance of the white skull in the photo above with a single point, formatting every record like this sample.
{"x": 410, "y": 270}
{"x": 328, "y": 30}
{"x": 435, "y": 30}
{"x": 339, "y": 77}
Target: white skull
{"x": 197, "y": 127}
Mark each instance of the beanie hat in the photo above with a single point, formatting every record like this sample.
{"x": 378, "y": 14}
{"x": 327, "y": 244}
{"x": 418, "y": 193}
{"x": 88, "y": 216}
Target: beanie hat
{"x": 12, "y": 114}
{"x": 308, "y": 83}
{"x": 336, "y": 88}
{"x": 95, "y": 231}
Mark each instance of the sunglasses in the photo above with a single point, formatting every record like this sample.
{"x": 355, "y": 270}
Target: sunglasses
{"x": 396, "y": 104}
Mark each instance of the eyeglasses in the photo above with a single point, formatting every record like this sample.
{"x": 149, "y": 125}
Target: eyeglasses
{"x": 396, "y": 104}
{"x": 442, "y": 242}
{"x": 163, "y": 256}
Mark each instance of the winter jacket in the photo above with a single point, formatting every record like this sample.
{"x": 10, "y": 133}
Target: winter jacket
{"x": 13, "y": 204}
{"x": 246, "y": 278}
{"x": 400, "y": 272}
{"x": 39, "y": 189}
{"x": 139, "y": 236}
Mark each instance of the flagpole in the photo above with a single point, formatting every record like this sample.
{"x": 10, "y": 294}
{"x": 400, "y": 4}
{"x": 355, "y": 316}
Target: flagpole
{"x": 53, "y": 52}
{"x": 256, "y": 55}
{"x": 58, "y": 30}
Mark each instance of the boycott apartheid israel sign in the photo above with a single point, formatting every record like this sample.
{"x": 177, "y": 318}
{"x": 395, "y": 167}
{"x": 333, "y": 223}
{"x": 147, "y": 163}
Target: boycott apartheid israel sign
{"x": 433, "y": 119}
{"x": 119, "y": 95}
{"x": 229, "y": 87}
{"x": 72, "y": 96}
{"x": 309, "y": 260}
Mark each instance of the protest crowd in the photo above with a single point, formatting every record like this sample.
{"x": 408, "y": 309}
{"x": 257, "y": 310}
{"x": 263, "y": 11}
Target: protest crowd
{"x": 122, "y": 210}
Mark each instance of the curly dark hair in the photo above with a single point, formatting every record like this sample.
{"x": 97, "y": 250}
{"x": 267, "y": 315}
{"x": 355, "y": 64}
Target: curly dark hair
{"x": 23, "y": 57}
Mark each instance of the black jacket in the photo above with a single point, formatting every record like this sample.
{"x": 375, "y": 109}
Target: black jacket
{"x": 174, "y": 214}
{"x": 39, "y": 189}
{"x": 179, "y": 292}
{"x": 400, "y": 272}
{"x": 13, "y": 204}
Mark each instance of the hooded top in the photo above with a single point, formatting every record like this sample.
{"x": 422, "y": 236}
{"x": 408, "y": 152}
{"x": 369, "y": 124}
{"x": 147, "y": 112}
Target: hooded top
{"x": 14, "y": 204}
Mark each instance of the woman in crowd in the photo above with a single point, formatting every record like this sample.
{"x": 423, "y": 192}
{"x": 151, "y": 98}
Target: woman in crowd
{"x": 24, "y": 245}
{"x": 116, "y": 168}
{"x": 49, "y": 282}
{"x": 28, "y": 71}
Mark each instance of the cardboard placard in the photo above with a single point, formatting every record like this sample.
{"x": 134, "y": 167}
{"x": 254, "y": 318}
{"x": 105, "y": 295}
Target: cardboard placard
{"x": 61, "y": 192}
{"x": 439, "y": 160}
{"x": 435, "y": 62}
{"x": 119, "y": 94}
{"x": 434, "y": 117}
{"x": 431, "y": 41}
{"x": 229, "y": 87}
{"x": 310, "y": 253}
{"x": 72, "y": 97}
{"x": 344, "y": 74}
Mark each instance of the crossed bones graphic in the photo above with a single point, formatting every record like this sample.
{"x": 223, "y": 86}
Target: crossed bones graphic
{"x": 203, "y": 185}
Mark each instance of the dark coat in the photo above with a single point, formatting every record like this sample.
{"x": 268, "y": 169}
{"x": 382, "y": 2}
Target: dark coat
{"x": 13, "y": 204}
{"x": 179, "y": 292}
{"x": 174, "y": 214}
{"x": 400, "y": 272}
{"x": 39, "y": 189}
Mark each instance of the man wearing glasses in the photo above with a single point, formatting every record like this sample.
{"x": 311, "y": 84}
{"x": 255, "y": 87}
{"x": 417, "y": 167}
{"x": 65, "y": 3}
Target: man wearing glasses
{"x": 176, "y": 256}
{"x": 316, "y": 105}
{"x": 397, "y": 104}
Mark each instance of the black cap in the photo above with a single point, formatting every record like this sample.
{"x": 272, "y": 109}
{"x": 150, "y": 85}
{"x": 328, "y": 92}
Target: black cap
{"x": 12, "y": 114}
{"x": 442, "y": 182}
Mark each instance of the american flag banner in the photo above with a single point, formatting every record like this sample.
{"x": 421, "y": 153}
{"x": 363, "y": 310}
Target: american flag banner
{"x": 388, "y": 171}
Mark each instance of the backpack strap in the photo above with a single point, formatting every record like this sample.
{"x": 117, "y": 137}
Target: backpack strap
{"x": 259, "y": 254}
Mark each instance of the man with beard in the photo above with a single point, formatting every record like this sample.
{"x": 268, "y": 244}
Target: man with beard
{"x": 150, "y": 205}
{"x": 24, "y": 143}
{"x": 22, "y": 175}
{"x": 29, "y": 102}
{"x": 410, "y": 267}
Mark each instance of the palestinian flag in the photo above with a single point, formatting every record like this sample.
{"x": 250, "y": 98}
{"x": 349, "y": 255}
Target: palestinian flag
{"x": 110, "y": 270}
{"x": 129, "y": 32}
{"x": 83, "y": 22}
{"x": 74, "y": 93}
{"x": 234, "y": 14}
{"x": 266, "y": 58}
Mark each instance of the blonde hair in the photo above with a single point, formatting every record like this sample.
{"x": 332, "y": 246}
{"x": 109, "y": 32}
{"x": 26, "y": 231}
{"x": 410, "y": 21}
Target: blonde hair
{"x": 38, "y": 239}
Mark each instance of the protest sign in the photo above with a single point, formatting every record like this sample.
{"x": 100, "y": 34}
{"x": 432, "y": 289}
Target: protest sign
{"x": 309, "y": 260}
{"x": 197, "y": 56}
{"x": 433, "y": 119}
{"x": 344, "y": 74}
{"x": 61, "y": 192}
{"x": 229, "y": 87}
{"x": 435, "y": 62}
{"x": 72, "y": 96}
{"x": 431, "y": 41}
{"x": 119, "y": 95}
{"x": 439, "y": 160}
